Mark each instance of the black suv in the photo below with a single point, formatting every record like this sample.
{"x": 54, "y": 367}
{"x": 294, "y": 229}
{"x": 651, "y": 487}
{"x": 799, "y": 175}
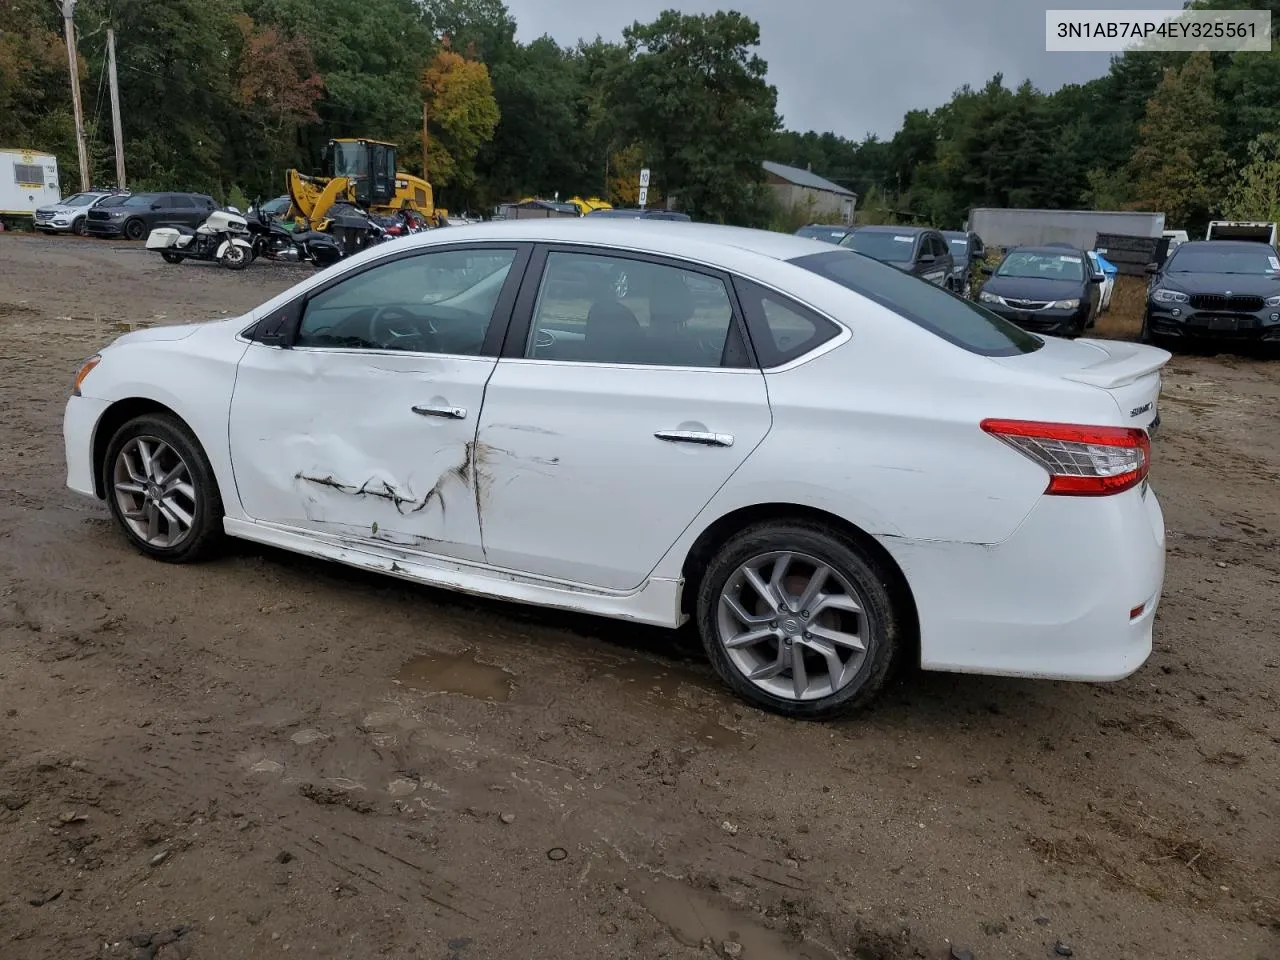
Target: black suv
{"x": 141, "y": 213}
{"x": 1050, "y": 289}
{"x": 968, "y": 251}
{"x": 1227, "y": 289}
{"x": 919, "y": 251}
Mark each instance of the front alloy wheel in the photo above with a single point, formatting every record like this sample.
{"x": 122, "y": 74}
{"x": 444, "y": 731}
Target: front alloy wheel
{"x": 235, "y": 257}
{"x": 799, "y": 620}
{"x": 161, "y": 488}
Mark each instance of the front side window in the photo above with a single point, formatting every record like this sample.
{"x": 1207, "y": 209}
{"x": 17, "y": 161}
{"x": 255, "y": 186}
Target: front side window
{"x": 927, "y": 305}
{"x": 440, "y": 302}
{"x": 594, "y": 308}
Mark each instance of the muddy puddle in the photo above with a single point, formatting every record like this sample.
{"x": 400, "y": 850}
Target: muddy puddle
{"x": 694, "y": 919}
{"x": 458, "y": 673}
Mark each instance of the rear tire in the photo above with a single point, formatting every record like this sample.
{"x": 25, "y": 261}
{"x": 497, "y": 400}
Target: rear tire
{"x": 761, "y": 628}
{"x": 134, "y": 230}
{"x": 161, "y": 489}
{"x": 170, "y": 257}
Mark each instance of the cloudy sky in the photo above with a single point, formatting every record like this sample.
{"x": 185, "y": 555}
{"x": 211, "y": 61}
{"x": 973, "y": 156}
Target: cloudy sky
{"x": 856, "y": 66}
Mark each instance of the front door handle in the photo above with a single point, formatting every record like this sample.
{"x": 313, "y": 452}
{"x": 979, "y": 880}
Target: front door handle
{"x": 696, "y": 436}
{"x": 451, "y": 413}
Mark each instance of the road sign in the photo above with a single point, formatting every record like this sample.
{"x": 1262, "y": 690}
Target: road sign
{"x": 644, "y": 196}
{"x": 644, "y": 177}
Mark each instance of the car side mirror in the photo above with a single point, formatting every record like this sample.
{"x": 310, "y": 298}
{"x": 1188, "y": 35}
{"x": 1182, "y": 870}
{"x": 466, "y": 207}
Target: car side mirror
{"x": 1097, "y": 278}
{"x": 1153, "y": 268}
{"x": 155, "y": 206}
{"x": 926, "y": 258}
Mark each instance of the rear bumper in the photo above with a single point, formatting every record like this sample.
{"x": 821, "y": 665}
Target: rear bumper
{"x": 79, "y": 422}
{"x": 1201, "y": 325}
{"x": 1057, "y": 600}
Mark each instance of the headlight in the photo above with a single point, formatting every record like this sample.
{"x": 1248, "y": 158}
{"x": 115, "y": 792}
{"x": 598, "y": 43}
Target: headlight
{"x": 1169, "y": 296}
{"x": 988, "y": 297}
{"x": 1273, "y": 301}
{"x": 1064, "y": 304}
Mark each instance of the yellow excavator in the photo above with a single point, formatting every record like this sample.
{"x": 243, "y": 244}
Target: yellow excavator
{"x": 362, "y": 172}
{"x": 582, "y": 206}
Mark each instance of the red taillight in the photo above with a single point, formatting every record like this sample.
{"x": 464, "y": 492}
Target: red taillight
{"x": 1082, "y": 461}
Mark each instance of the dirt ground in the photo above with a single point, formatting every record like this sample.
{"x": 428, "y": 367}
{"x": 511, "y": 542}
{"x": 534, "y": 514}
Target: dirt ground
{"x": 268, "y": 756}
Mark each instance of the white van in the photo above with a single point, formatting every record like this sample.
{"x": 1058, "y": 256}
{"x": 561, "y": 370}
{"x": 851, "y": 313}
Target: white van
{"x": 27, "y": 180}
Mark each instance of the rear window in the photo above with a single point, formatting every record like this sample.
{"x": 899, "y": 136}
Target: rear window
{"x": 952, "y": 318}
{"x": 883, "y": 245}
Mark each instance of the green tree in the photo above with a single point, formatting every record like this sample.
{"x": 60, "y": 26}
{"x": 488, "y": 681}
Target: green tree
{"x": 1179, "y": 162}
{"x": 693, "y": 92}
{"x": 1255, "y": 192}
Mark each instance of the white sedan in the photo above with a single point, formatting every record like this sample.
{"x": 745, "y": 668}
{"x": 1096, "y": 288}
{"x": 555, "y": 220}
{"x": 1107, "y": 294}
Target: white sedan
{"x": 828, "y": 465}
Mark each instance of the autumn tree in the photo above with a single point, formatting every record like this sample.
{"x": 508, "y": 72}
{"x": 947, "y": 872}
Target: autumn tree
{"x": 692, "y": 90}
{"x": 463, "y": 116}
{"x": 1178, "y": 164}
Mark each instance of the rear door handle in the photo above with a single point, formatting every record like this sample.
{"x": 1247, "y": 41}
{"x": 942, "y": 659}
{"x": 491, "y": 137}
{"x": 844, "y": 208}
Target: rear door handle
{"x": 450, "y": 413}
{"x": 696, "y": 436}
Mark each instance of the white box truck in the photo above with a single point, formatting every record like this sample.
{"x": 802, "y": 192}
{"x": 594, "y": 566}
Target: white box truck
{"x": 1257, "y": 230}
{"x": 27, "y": 180}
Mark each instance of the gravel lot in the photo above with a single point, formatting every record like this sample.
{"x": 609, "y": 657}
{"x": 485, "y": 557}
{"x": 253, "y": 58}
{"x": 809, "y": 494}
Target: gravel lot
{"x": 267, "y": 756}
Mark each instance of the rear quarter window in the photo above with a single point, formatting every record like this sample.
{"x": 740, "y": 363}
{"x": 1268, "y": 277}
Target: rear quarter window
{"x": 956, "y": 320}
{"x": 781, "y": 329}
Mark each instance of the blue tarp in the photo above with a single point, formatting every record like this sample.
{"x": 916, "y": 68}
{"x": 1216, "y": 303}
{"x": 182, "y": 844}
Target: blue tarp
{"x": 1109, "y": 268}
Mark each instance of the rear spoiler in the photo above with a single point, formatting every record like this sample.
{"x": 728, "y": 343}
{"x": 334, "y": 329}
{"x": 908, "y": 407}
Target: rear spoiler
{"x": 1125, "y": 363}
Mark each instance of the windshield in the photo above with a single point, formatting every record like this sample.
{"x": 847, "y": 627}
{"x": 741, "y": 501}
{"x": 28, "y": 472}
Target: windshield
{"x": 113, "y": 201}
{"x": 882, "y": 244}
{"x": 1258, "y": 262}
{"x": 829, "y": 234}
{"x": 1042, "y": 266}
{"x": 138, "y": 200}
{"x": 350, "y": 160}
{"x": 943, "y": 314}
{"x": 78, "y": 200}
{"x": 959, "y": 248}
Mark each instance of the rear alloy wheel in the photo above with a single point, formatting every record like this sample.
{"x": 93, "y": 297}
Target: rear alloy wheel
{"x": 134, "y": 230}
{"x": 797, "y": 621}
{"x": 161, "y": 489}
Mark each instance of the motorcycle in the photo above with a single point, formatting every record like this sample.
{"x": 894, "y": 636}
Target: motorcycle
{"x": 272, "y": 241}
{"x": 222, "y": 238}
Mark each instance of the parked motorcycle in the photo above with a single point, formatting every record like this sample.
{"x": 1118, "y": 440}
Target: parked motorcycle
{"x": 272, "y": 241}
{"x": 222, "y": 238}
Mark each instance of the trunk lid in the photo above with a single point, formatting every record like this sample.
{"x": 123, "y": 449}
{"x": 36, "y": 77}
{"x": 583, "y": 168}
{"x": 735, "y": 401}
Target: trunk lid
{"x": 1130, "y": 372}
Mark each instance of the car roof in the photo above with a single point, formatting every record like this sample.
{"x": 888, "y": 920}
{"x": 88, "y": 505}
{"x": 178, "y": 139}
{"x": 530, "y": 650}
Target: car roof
{"x": 890, "y": 228}
{"x": 706, "y": 242}
{"x": 1226, "y": 244}
{"x": 1047, "y": 250}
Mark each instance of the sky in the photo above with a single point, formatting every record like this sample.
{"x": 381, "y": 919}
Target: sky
{"x": 857, "y": 66}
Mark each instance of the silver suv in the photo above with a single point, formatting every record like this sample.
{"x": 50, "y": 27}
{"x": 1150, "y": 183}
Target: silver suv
{"x": 68, "y": 216}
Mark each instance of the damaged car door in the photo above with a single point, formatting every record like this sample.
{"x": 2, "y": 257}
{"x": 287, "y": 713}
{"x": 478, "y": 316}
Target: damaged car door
{"x": 355, "y": 407}
{"x": 624, "y": 399}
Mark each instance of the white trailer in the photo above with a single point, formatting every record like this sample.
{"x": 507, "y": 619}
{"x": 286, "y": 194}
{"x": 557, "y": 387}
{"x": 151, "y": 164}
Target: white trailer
{"x": 1256, "y": 230}
{"x": 27, "y": 180}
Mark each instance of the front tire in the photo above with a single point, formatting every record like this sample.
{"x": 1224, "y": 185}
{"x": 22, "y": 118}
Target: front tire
{"x": 798, "y": 621}
{"x": 161, "y": 489}
{"x": 77, "y": 227}
{"x": 134, "y": 230}
{"x": 235, "y": 257}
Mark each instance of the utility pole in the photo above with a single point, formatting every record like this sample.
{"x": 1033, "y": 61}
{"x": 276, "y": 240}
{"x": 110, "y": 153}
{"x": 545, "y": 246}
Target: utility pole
{"x": 425, "y": 113}
{"x": 73, "y": 64}
{"x": 115, "y": 107}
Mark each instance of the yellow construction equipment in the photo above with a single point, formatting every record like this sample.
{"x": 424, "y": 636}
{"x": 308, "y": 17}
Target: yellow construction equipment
{"x": 590, "y": 204}
{"x": 362, "y": 172}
